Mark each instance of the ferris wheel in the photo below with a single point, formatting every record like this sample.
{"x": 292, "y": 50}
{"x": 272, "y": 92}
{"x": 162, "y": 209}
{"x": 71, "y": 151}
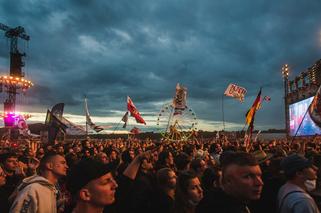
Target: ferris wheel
{"x": 176, "y": 125}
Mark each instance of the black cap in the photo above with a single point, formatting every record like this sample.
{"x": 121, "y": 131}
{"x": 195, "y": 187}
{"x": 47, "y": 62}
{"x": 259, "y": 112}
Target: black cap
{"x": 85, "y": 171}
{"x": 294, "y": 163}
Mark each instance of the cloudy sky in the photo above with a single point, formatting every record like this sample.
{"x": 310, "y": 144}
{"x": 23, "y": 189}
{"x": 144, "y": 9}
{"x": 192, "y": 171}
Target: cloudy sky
{"x": 107, "y": 50}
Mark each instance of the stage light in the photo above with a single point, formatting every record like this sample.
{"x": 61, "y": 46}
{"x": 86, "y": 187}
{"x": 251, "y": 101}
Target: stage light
{"x": 9, "y": 119}
{"x": 285, "y": 70}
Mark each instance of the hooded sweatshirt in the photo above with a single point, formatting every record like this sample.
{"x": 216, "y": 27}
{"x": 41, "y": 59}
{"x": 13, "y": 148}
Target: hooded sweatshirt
{"x": 35, "y": 195}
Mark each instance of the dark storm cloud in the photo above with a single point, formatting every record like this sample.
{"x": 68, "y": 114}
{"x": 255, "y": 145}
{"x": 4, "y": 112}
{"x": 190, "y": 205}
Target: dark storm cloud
{"x": 106, "y": 50}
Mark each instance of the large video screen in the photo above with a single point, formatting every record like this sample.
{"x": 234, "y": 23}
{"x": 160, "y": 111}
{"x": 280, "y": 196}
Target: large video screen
{"x": 296, "y": 112}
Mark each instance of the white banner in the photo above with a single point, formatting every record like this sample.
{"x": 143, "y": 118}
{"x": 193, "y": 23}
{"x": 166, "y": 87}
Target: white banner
{"x": 179, "y": 101}
{"x": 235, "y": 91}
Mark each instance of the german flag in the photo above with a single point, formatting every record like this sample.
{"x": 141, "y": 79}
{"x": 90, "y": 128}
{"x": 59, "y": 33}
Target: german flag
{"x": 255, "y": 106}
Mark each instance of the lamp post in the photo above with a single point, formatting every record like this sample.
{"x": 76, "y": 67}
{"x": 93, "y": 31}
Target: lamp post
{"x": 285, "y": 75}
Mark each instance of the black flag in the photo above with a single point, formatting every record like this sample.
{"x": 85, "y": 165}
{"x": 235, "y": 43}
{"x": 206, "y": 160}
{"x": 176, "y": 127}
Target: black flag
{"x": 58, "y": 110}
{"x": 125, "y": 119}
{"x": 53, "y": 120}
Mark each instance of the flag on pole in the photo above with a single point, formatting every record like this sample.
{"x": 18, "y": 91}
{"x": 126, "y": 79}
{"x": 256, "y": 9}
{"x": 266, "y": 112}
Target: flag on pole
{"x": 134, "y": 112}
{"x": 250, "y": 115}
{"x": 179, "y": 101}
{"x": 267, "y": 98}
{"x": 125, "y": 119}
{"x": 89, "y": 122}
{"x": 257, "y": 135}
{"x": 235, "y": 91}
{"x": 255, "y": 106}
{"x": 58, "y": 110}
{"x": 315, "y": 108}
{"x": 54, "y": 125}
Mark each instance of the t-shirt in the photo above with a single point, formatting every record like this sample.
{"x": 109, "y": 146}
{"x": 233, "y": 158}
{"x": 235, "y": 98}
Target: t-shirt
{"x": 293, "y": 199}
{"x": 218, "y": 201}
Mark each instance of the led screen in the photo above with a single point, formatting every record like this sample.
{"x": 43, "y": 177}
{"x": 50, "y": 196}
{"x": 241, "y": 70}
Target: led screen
{"x": 296, "y": 112}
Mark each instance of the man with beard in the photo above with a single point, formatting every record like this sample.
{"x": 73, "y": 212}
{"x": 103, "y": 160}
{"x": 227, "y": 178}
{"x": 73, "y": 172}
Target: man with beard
{"x": 241, "y": 183}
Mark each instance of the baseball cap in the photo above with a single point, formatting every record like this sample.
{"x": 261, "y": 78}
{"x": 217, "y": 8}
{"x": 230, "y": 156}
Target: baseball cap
{"x": 85, "y": 171}
{"x": 294, "y": 163}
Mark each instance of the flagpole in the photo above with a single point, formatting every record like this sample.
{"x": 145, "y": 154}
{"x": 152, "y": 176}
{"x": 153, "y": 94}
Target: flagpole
{"x": 223, "y": 112}
{"x": 170, "y": 118}
{"x": 86, "y": 128}
{"x": 116, "y": 127}
{"x": 85, "y": 108}
{"x": 244, "y": 127}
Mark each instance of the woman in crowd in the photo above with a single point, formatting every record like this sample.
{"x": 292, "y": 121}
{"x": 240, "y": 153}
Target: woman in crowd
{"x": 211, "y": 179}
{"x": 188, "y": 193}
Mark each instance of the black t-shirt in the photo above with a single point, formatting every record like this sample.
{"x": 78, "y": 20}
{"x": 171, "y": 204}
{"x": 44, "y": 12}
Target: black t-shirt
{"x": 6, "y": 190}
{"x": 162, "y": 203}
{"x": 218, "y": 201}
{"x": 142, "y": 193}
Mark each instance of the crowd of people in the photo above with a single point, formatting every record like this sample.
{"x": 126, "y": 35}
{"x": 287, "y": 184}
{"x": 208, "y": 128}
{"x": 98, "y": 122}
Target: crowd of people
{"x": 223, "y": 174}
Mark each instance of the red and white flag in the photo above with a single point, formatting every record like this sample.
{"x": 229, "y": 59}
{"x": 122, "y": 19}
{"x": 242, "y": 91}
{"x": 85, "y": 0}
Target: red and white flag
{"x": 134, "y": 112}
